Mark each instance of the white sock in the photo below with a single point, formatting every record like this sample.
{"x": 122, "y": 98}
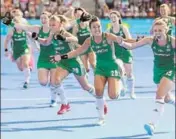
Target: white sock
{"x": 130, "y": 84}
{"x": 27, "y": 74}
{"x": 100, "y": 106}
{"x": 61, "y": 93}
{"x": 53, "y": 92}
{"x": 123, "y": 80}
{"x": 158, "y": 111}
{"x": 92, "y": 91}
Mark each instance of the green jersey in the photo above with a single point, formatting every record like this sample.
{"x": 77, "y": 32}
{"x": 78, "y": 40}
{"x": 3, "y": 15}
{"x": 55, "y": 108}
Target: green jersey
{"x": 106, "y": 64}
{"x": 73, "y": 65}
{"x": 163, "y": 61}
{"x": 45, "y": 52}
{"x": 168, "y": 21}
{"x": 163, "y": 55}
{"x": 83, "y": 34}
{"x": 120, "y": 52}
{"x": 19, "y": 44}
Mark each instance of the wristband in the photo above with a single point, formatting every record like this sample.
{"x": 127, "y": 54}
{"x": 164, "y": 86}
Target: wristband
{"x": 64, "y": 56}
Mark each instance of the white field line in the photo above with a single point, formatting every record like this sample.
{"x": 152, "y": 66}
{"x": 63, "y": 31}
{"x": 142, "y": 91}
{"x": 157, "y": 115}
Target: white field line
{"x": 71, "y": 99}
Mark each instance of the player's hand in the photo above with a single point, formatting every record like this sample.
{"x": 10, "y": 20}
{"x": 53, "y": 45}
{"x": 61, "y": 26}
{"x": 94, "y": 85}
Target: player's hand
{"x": 55, "y": 58}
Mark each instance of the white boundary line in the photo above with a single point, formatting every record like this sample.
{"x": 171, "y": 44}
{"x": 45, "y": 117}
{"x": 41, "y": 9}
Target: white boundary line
{"x": 70, "y": 99}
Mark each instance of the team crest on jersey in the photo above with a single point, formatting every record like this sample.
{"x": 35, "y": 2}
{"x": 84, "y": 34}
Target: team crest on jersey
{"x": 160, "y": 50}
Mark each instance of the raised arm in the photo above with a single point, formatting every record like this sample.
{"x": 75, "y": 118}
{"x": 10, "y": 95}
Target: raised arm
{"x": 69, "y": 37}
{"x": 45, "y": 41}
{"x": 73, "y": 53}
{"x": 30, "y": 28}
{"x": 75, "y": 30}
{"x": 142, "y": 42}
{"x": 114, "y": 38}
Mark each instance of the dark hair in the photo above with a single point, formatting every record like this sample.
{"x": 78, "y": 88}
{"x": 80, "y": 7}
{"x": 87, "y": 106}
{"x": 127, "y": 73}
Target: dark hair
{"x": 93, "y": 19}
{"x": 78, "y": 9}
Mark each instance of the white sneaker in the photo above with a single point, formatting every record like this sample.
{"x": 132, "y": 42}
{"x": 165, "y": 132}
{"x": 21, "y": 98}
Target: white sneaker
{"x": 101, "y": 122}
{"x": 53, "y": 103}
{"x": 133, "y": 95}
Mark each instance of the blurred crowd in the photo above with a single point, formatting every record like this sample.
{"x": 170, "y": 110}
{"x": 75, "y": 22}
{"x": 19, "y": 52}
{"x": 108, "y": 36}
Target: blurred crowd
{"x": 34, "y": 8}
{"x": 133, "y": 8}
{"x": 127, "y": 8}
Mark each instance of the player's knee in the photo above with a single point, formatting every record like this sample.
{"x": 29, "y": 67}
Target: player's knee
{"x": 99, "y": 91}
{"x": 43, "y": 83}
{"x": 57, "y": 80}
{"x": 113, "y": 95}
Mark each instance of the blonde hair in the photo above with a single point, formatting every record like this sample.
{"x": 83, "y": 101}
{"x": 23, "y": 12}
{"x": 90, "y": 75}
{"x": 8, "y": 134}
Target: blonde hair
{"x": 167, "y": 7}
{"x": 63, "y": 19}
{"x": 59, "y": 18}
{"x": 161, "y": 23}
{"x": 55, "y": 18}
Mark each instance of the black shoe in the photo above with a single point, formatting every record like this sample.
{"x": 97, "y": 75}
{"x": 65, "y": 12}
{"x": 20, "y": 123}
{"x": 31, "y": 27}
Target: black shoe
{"x": 25, "y": 85}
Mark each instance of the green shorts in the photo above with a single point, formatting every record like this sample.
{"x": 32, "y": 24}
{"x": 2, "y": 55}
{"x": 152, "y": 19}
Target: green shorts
{"x": 17, "y": 54}
{"x": 124, "y": 55}
{"x": 45, "y": 65}
{"x": 111, "y": 69}
{"x": 74, "y": 66}
{"x": 160, "y": 73}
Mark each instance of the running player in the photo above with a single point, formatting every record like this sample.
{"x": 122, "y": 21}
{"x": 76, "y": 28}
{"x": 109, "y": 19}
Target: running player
{"x": 106, "y": 70}
{"x": 121, "y": 53}
{"x": 21, "y": 51}
{"x": 164, "y": 15}
{"x": 163, "y": 47}
{"x": 81, "y": 30}
{"x": 46, "y": 69}
{"x": 64, "y": 42}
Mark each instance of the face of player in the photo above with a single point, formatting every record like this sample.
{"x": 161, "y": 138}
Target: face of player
{"x": 159, "y": 32}
{"x": 96, "y": 29}
{"x": 164, "y": 11}
{"x": 114, "y": 18}
{"x": 54, "y": 25}
{"x": 44, "y": 19}
{"x": 78, "y": 14}
{"x": 17, "y": 13}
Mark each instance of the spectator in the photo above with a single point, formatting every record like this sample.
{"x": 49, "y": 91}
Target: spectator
{"x": 151, "y": 13}
{"x": 143, "y": 13}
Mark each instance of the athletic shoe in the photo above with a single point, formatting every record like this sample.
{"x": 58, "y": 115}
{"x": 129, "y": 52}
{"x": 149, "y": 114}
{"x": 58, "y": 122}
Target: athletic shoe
{"x": 133, "y": 95}
{"x": 101, "y": 122}
{"x": 149, "y": 129}
{"x": 53, "y": 103}
{"x": 63, "y": 109}
{"x": 25, "y": 85}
